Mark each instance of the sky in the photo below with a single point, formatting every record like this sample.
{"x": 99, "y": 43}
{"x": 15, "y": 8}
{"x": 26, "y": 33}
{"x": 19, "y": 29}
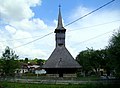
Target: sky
{"x": 22, "y": 22}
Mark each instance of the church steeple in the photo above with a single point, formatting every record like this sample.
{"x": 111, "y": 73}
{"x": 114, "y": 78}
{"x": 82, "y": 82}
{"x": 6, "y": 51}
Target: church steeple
{"x": 60, "y": 31}
{"x": 60, "y": 25}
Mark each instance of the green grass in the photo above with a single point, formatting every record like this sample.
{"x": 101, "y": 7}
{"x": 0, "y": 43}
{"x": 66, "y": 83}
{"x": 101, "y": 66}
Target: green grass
{"x": 23, "y": 85}
{"x": 31, "y": 85}
{"x": 91, "y": 78}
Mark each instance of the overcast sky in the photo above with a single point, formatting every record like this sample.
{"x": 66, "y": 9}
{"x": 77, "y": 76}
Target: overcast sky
{"x": 22, "y": 21}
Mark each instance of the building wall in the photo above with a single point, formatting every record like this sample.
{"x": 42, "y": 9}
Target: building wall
{"x": 60, "y": 39}
{"x": 64, "y": 75}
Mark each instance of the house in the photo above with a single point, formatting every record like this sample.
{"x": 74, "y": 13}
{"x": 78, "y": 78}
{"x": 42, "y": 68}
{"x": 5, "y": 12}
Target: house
{"x": 30, "y": 68}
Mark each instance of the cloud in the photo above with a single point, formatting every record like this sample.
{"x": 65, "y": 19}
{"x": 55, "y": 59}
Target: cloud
{"x": 18, "y": 39}
{"x": 95, "y": 37}
{"x": 30, "y": 25}
{"x": 31, "y": 53}
{"x": 16, "y": 10}
{"x": 10, "y": 29}
{"x": 21, "y": 27}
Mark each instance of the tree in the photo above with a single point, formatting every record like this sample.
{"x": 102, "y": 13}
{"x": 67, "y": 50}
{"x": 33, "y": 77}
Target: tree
{"x": 0, "y": 66}
{"x": 114, "y": 52}
{"x": 9, "y": 62}
{"x": 83, "y": 60}
{"x": 93, "y": 60}
{"x": 40, "y": 62}
{"x": 26, "y": 60}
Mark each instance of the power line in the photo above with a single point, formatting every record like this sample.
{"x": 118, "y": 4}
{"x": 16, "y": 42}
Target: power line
{"x": 20, "y": 39}
{"x": 70, "y": 22}
{"x": 76, "y": 43}
{"x": 94, "y": 25}
{"x": 68, "y": 30}
{"x": 89, "y": 13}
{"x": 33, "y": 40}
{"x": 95, "y": 37}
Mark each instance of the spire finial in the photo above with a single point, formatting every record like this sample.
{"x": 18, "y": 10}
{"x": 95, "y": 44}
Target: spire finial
{"x": 60, "y": 25}
{"x": 59, "y": 6}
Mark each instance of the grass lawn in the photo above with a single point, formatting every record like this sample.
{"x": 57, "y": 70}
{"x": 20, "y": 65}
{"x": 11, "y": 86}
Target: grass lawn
{"x": 31, "y": 85}
{"x": 91, "y": 78}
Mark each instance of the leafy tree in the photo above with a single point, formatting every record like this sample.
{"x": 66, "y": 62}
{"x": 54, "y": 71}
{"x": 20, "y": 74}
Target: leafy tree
{"x": 114, "y": 52}
{"x": 40, "y": 62}
{"x": 83, "y": 60}
{"x": 0, "y": 66}
{"x": 26, "y": 60}
{"x": 93, "y": 60}
{"x": 9, "y": 62}
{"x": 33, "y": 61}
{"x": 100, "y": 60}
{"x": 37, "y": 61}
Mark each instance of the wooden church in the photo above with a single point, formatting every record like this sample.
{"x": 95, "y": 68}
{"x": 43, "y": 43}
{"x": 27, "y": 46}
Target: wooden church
{"x": 61, "y": 63}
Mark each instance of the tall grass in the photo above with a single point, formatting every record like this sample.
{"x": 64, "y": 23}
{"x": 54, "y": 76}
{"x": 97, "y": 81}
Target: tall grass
{"x": 31, "y": 85}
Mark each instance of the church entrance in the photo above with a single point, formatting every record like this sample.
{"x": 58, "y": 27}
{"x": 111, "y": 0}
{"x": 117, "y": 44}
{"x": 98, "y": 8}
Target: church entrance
{"x": 60, "y": 74}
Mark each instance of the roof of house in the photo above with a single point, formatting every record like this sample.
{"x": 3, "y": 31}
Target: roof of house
{"x": 61, "y": 58}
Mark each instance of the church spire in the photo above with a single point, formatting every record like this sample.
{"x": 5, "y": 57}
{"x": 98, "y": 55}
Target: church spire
{"x": 60, "y": 31}
{"x": 60, "y": 25}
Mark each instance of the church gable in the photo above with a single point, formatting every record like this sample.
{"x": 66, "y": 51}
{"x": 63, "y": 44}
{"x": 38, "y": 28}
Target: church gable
{"x": 61, "y": 58}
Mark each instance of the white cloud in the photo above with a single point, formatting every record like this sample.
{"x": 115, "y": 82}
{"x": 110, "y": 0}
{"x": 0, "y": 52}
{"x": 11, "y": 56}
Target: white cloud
{"x": 17, "y": 14}
{"x": 33, "y": 3}
{"x": 29, "y": 25}
{"x": 30, "y": 53}
{"x": 16, "y": 10}
{"x": 76, "y": 39}
{"x": 78, "y": 12}
{"x": 28, "y": 50}
{"x": 10, "y": 29}
{"x": 21, "y": 34}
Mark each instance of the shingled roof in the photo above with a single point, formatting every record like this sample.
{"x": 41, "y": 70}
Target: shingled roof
{"x": 61, "y": 58}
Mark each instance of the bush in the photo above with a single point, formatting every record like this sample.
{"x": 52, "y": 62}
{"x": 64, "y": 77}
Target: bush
{"x": 29, "y": 74}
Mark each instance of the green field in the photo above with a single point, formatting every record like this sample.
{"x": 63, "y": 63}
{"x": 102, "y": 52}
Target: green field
{"x": 31, "y": 85}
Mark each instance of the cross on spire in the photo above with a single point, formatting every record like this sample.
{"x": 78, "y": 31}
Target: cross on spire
{"x": 60, "y": 25}
{"x": 59, "y": 6}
